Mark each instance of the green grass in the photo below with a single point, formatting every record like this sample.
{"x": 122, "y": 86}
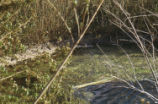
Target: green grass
{"x": 85, "y": 66}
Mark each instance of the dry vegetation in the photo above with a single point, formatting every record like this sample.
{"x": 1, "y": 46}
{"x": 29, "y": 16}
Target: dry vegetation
{"x": 37, "y": 21}
{"x": 24, "y": 23}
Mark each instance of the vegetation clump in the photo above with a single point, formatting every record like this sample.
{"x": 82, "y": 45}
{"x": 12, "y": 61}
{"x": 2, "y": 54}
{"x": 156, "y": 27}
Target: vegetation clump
{"x": 121, "y": 23}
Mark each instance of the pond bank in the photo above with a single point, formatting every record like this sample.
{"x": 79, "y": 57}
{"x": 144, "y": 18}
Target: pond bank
{"x": 118, "y": 92}
{"x": 30, "y": 53}
{"x": 85, "y": 66}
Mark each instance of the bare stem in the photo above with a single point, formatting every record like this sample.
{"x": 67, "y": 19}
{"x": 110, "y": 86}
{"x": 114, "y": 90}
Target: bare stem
{"x": 70, "y": 53}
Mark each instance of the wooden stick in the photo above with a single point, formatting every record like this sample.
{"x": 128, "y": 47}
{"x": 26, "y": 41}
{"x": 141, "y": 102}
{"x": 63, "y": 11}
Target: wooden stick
{"x": 108, "y": 79}
{"x": 70, "y": 53}
{"x": 12, "y": 75}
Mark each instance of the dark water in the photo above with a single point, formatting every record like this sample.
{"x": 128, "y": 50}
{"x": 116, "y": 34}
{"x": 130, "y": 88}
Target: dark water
{"x": 118, "y": 93}
{"x": 93, "y": 66}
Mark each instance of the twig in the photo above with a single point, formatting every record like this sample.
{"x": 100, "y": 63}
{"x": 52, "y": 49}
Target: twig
{"x": 154, "y": 14}
{"x": 142, "y": 47}
{"x": 108, "y": 79}
{"x": 105, "y": 56}
{"x": 123, "y": 24}
{"x": 134, "y": 73}
{"x": 112, "y": 62}
{"x": 70, "y": 53}
{"x": 136, "y": 89}
{"x": 129, "y": 84}
{"x": 132, "y": 25}
{"x": 2, "y": 79}
{"x": 139, "y": 16}
{"x": 77, "y": 20}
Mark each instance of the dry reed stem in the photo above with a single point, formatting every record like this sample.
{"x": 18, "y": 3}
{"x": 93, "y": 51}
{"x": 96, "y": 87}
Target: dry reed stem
{"x": 142, "y": 47}
{"x": 68, "y": 56}
{"x": 132, "y": 25}
{"x": 77, "y": 21}
{"x": 62, "y": 18}
{"x": 136, "y": 89}
{"x": 140, "y": 16}
{"x": 130, "y": 85}
{"x": 154, "y": 14}
{"x": 151, "y": 43}
{"x": 17, "y": 73}
{"x": 133, "y": 67}
{"x": 105, "y": 80}
{"x": 124, "y": 69}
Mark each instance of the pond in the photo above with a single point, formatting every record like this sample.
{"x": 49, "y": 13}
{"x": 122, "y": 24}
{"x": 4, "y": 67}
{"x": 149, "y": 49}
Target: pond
{"x": 117, "y": 92}
{"x": 126, "y": 64}
{"x": 86, "y": 65}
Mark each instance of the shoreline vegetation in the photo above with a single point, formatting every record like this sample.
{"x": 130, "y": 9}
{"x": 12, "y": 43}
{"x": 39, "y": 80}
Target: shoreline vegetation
{"x": 38, "y": 38}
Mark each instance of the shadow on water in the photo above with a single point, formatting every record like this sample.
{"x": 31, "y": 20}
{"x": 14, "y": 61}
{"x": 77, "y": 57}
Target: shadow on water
{"x": 117, "y": 93}
{"x": 111, "y": 49}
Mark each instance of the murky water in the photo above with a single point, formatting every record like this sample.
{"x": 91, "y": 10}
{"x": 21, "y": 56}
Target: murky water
{"x": 118, "y": 93}
{"x": 94, "y": 66}
{"x": 85, "y": 66}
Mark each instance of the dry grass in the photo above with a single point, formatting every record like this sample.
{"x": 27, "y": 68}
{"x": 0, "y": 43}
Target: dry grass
{"x": 38, "y": 21}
